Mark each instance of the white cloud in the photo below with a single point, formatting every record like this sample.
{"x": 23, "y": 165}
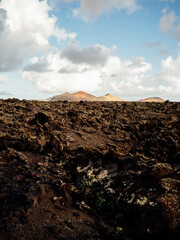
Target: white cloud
{"x": 3, "y": 78}
{"x": 170, "y": 23}
{"x": 61, "y": 73}
{"x": 85, "y": 72}
{"x": 177, "y": 32}
{"x": 92, "y": 55}
{"x": 164, "y": 52}
{"x": 167, "y": 21}
{"x": 153, "y": 44}
{"x": 166, "y": 83}
{"x": 70, "y": 70}
{"x": 166, "y": 0}
{"x": 171, "y": 75}
{"x": 92, "y": 9}
{"x": 132, "y": 77}
{"x": 25, "y": 28}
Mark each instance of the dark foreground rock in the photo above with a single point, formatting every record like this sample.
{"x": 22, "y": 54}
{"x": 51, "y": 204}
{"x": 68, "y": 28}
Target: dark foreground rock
{"x": 89, "y": 170}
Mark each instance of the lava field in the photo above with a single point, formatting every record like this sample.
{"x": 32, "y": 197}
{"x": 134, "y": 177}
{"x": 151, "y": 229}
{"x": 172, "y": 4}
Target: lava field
{"x": 89, "y": 170}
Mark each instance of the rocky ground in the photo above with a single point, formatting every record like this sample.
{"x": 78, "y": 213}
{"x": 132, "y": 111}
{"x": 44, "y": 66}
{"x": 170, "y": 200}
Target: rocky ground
{"x": 89, "y": 170}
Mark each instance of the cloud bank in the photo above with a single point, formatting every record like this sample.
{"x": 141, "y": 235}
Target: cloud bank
{"x": 165, "y": 83}
{"x": 76, "y": 68}
{"x": 72, "y": 69}
{"x": 25, "y": 28}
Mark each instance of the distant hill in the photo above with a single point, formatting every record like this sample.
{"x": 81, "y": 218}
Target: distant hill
{"x": 83, "y": 96}
{"x": 73, "y": 97}
{"x": 152, "y": 99}
{"x": 110, "y": 97}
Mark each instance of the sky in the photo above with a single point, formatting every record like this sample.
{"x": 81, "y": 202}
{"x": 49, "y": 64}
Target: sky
{"x": 130, "y": 48}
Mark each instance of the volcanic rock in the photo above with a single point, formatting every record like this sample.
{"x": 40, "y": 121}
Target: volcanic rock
{"x": 89, "y": 170}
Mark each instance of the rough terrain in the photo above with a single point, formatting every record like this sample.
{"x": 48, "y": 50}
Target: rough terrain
{"x": 89, "y": 170}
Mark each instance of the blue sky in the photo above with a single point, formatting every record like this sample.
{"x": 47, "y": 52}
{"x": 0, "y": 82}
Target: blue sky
{"x": 130, "y": 48}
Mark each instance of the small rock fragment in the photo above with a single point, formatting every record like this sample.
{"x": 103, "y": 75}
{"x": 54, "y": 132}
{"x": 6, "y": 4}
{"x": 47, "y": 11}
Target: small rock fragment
{"x": 161, "y": 170}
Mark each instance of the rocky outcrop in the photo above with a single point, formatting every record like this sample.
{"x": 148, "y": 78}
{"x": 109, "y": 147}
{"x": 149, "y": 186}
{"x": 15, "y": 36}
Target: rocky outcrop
{"x": 89, "y": 170}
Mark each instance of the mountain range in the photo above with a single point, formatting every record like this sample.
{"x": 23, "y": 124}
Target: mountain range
{"x": 83, "y": 96}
